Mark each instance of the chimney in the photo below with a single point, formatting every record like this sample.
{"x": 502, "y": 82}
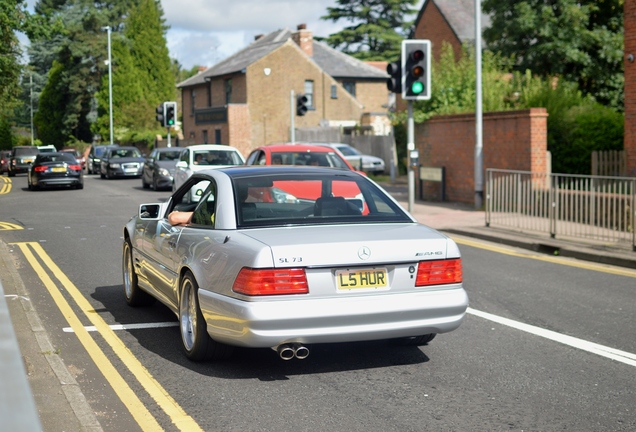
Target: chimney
{"x": 202, "y": 68}
{"x": 304, "y": 39}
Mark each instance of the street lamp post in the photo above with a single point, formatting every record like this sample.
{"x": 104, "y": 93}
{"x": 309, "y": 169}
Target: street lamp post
{"x": 110, "y": 87}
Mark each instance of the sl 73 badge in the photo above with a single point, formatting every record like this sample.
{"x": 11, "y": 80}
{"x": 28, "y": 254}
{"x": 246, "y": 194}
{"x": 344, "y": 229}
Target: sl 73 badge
{"x": 290, "y": 260}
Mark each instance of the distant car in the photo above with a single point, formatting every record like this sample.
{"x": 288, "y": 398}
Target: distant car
{"x": 55, "y": 169}
{"x": 47, "y": 149}
{"x": 204, "y": 156}
{"x": 366, "y": 163}
{"x": 5, "y": 156}
{"x": 21, "y": 159}
{"x": 93, "y": 164}
{"x": 297, "y": 154}
{"x": 80, "y": 157}
{"x": 245, "y": 272}
{"x": 159, "y": 168}
{"x": 121, "y": 161}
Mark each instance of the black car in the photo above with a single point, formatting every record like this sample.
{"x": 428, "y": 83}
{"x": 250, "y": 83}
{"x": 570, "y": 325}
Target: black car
{"x": 159, "y": 168}
{"x": 55, "y": 169}
{"x": 122, "y": 161}
{"x": 21, "y": 159}
{"x": 5, "y": 155}
{"x": 93, "y": 163}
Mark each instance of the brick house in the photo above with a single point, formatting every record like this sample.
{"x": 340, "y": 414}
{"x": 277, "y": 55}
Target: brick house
{"x": 245, "y": 100}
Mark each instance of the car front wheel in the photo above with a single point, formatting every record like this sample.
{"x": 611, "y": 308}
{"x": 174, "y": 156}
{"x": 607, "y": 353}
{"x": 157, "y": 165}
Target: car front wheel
{"x": 197, "y": 344}
{"x": 135, "y": 296}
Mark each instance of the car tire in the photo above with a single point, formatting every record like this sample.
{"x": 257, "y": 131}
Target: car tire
{"x": 155, "y": 183}
{"x": 135, "y": 296}
{"x": 80, "y": 186}
{"x": 10, "y": 174}
{"x": 197, "y": 344}
{"x": 415, "y": 340}
{"x": 144, "y": 184}
{"x": 102, "y": 175}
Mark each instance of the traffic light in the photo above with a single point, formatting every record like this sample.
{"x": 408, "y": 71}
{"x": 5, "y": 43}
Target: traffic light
{"x": 394, "y": 84}
{"x": 160, "y": 115}
{"x": 416, "y": 67}
{"x": 301, "y": 104}
{"x": 170, "y": 110}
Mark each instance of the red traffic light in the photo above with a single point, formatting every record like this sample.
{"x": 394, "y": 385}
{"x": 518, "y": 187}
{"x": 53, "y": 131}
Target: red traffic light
{"x": 417, "y": 55}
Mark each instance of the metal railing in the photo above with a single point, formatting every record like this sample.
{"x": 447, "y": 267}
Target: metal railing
{"x": 594, "y": 208}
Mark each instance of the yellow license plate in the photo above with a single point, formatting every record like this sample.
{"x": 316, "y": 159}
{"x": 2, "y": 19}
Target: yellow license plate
{"x": 58, "y": 169}
{"x": 362, "y": 278}
{"x": 28, "y": 160}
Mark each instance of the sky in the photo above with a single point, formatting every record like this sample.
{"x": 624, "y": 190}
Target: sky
{"x": 204, "y": 32}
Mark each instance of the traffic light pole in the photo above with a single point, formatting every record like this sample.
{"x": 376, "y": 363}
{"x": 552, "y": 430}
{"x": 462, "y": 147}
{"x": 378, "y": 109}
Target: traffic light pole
{"x": 410, "y": 146}
{"x": 169, "y": 145}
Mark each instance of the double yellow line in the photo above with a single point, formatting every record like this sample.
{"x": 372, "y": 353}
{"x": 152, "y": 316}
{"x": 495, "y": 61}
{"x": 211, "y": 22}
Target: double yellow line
{"x": 137, "y": 409}
{"x": 5, "y": 185}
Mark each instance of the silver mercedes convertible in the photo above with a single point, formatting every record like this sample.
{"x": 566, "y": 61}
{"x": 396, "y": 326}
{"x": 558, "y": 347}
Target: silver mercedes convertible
{"x": 285, "y": 257}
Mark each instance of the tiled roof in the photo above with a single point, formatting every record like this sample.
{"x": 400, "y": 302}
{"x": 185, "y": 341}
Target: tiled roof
{"x": 333, "y": 62}
{"x": 460, "y": 15}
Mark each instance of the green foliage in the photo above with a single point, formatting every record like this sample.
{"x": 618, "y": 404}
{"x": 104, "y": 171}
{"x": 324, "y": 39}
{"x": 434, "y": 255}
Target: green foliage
{"x": 49, "y": 118}
{"x": 580, "y": 41}
{"x": 584, "y": 129}
{"x": 376, "y": 28}
{"x": 6, "y": 138}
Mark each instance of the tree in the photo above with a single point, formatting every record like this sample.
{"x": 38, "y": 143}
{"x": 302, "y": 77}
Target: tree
{"x": 50, "y": 117}
{"x": 578, "y": 40}
{"x": 377, "y": 27}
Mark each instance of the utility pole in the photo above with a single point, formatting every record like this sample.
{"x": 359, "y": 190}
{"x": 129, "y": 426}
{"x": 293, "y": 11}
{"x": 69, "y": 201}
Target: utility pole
{"x": 31, "y": 97}
{"x": 110, "y": 86}
{"x": 479, "y": 155}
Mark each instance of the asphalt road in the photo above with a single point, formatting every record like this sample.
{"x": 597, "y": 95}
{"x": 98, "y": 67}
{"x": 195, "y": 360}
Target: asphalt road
{"x": 547, "y": 345}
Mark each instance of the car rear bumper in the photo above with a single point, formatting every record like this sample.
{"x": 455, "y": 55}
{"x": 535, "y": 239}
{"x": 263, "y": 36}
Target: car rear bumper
{"x": 263, "y": 324}
{"x": 64, "y": 181}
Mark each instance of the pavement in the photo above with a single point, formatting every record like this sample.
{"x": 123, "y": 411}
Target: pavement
{"x": 62, "y": 406}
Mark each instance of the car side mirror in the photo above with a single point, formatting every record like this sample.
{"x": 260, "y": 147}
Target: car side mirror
{"x": 182, "y": 164}
{"x": 149, "y": 211}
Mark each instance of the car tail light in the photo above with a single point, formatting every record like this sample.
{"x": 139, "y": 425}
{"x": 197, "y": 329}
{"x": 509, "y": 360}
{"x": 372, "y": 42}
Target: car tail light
{"x": 40, "y": 168}
{"x": 75, "y": 167}
{"x": 260, "y": 282}
{"x": 439, "y": 272}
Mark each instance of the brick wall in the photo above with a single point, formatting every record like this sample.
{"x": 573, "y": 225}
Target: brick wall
{"x": 630, "y": 87}
{"x": 515, "y": 140}
{"x": 434, "y": 27}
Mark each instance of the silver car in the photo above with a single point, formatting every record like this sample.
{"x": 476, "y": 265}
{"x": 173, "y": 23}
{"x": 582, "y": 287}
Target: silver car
{"x": 364, "y": 162}
{"x": 285, "y": 257}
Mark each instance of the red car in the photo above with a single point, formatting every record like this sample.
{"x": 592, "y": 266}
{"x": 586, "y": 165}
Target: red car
{"x": 80, "y": 158}
{"x": 303, "y": 155}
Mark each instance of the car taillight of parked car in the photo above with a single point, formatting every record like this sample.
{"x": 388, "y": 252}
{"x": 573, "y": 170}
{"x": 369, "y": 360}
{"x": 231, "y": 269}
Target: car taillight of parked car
{"x": 40, "y": 169}
{"x": 259, "y": 282}
{"x": 75, "y": 167}
{"x": 439, "y": 272}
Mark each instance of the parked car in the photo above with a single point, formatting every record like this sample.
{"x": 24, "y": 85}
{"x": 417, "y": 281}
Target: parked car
{"x": 21, "y": 159}
{"x": 297, "y": 154}
{"x": 252, "y": 273}
{"x": 159, "y": 168}
{"x": 47, "y": 149}
{"x": 55, "y": 169}
{"x": 363, "y": 162}
{"x": 204, "y": 156}
{"x": 93, "y": 164}
{"x": 121, "y": 161}
{"x": 78, "y": 156}
{"x": 5, "y": 156}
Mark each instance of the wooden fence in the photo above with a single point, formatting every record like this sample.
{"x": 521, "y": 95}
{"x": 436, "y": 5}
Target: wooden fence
{"x": 609, "y": 163}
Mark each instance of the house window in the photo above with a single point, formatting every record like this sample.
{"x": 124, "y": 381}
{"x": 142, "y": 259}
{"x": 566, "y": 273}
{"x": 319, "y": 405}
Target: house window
{"x": 309, "y": 92}
{"x": 209, "y": 93}
{"x": 193, "y": 99}
{"x": 205, "y": 137}
{"x": 217, "y": 136}
{"x": 228, "y": 91}
{"x": 334, "y": 91}
{"x": 350, "y": 86}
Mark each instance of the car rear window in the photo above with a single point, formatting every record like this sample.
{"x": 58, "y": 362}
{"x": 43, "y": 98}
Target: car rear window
{"x": 292, "y": 199}
{"x": 55, "y": 157}
{"x": 25, "y": 151}
{"x": 326, "y": 159}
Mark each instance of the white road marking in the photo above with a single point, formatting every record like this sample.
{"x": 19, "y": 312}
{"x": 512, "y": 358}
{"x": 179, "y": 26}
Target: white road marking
{"x": 128, "y": 326}
{"x": 611, "y": 353}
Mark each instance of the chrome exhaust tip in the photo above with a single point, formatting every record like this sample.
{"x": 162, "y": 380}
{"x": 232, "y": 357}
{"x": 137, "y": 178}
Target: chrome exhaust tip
{"x": 285, "y": 351}
{"x": 301, "y": 352}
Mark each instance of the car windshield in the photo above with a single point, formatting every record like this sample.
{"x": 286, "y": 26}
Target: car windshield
{"x": 169, "y": 155}
{"x": 295, "y": 199}
{"x": 124, "y": 153}
{"x": 26, "y": 151}
{"x": 216, "y": 157}
{"x": 326, "y": 159}
{"x": 348, "y": 151}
